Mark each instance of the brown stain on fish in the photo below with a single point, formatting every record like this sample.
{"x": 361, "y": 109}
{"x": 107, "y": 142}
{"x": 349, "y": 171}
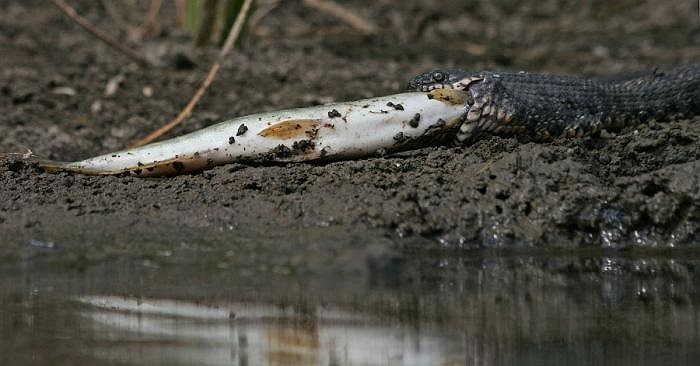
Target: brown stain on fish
{"x": 292, "y": 128}
{"x": 450, "y": 96}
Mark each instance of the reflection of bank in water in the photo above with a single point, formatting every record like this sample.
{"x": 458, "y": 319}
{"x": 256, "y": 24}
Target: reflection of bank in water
{"x": 500, "y": 310}
{"x": 481, "y": 311}
{"x": 152, "y": 331}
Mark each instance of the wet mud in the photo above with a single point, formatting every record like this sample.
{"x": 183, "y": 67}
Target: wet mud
{"x": 633, "y": 188}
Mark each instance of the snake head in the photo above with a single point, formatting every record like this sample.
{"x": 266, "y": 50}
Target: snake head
{"x": 442, "y": 79}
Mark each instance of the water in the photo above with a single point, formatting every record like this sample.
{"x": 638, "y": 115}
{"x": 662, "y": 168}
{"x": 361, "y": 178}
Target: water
{"x": 435, "y": 309}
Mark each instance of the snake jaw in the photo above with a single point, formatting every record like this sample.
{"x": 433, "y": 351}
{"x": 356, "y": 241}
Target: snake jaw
{"x": 443, "y": 79}
{"x": 462, "y": 84}
{"x": 427, "y": 88}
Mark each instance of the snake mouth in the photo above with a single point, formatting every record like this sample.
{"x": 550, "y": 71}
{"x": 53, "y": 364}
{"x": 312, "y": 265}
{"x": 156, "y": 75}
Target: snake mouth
{"x": 462, "y": 84}
{"x": 430, "y": 87}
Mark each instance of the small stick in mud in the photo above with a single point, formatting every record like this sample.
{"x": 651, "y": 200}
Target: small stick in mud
{"x": 104, "y": 37}
{"x": 147, "y": 26}
{"x": 342, "y": 13}
{"x": 261, "y": 11}
{"x": 225, "y": 50}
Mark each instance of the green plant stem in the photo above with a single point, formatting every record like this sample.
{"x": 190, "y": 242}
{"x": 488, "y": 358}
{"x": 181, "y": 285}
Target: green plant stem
{"x": 207, "y": 20}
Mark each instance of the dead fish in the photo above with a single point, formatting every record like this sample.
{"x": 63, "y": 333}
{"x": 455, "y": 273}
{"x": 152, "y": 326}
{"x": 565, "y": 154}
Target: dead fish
{"x": 332, "y": 131}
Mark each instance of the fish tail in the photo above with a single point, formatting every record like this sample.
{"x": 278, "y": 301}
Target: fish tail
{"x": 53, "y": 166}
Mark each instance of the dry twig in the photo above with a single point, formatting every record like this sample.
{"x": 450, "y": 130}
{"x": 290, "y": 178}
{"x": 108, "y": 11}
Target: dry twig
{"x": 180, "y": 9}
{"x": 147, "y": 26}
{"x": 13, "y": 155}
{"x": 117, "y": 15}
{"x": 104, "y": 37}
{"x": 262, "y": 11}
{"x": 225, "y": 50}
{"x": 344, "y": 14}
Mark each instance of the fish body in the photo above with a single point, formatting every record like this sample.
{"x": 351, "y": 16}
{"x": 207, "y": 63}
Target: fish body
{"x": 332, "y": 131}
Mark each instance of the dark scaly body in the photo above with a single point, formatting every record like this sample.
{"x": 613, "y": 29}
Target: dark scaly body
{"x": 545, "y": 106}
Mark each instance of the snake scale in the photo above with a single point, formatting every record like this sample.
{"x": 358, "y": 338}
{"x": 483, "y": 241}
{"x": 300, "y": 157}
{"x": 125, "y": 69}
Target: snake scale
{"x": 545, "y": 106}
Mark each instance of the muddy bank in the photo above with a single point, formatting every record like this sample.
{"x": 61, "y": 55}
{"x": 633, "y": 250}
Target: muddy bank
{"x": 636, "y": 188}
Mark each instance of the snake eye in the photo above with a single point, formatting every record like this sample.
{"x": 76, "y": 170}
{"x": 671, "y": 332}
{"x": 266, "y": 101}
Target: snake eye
{"x": 438, "y": 76}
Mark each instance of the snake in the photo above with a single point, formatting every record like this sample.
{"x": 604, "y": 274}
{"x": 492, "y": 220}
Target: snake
{"x": 546, "y": 106}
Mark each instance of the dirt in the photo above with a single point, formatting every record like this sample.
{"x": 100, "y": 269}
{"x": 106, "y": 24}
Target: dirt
{"x": 635, "y": 188}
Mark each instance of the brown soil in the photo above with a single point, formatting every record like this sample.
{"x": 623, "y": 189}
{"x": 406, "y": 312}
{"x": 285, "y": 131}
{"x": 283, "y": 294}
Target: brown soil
{"x": 637, "y": 188}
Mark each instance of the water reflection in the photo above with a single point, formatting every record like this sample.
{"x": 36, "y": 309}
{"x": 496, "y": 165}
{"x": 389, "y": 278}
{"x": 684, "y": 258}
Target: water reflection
{"x": 431, "y": 310}
{"x": 257, "y": 334}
